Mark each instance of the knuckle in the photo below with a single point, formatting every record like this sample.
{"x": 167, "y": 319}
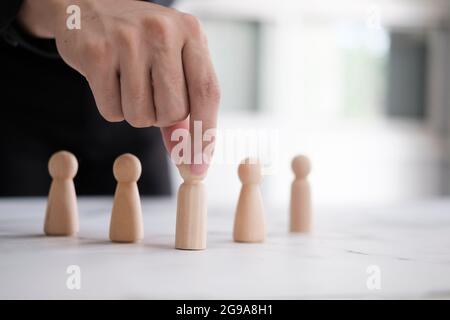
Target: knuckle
{"x": 96, "y": 51}
{"x": 161, "y": 30}
{"x": 172, "y": 116}
{"x": 139, "y": 121}
{"x": 112, "y": 116}
{"x": 162, "y": 23}
{"x": 181, "y": 115}
{"x": 128, "y": 37}
{"x": 110, "y": 111}
{"x": 192, "y": 24}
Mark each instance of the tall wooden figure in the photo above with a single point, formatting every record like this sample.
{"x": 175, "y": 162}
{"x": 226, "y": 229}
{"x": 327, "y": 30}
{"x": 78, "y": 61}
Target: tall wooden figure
{"x": 191, "y": 222}
{"x": 126, "y": 217}
{"x": 61, "y": 218}
{"x": 249, "y": 223}
{"x": 301, "y": 211}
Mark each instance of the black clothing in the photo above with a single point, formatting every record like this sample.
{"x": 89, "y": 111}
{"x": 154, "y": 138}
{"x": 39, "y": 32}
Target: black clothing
{"x": 46, "y": 106}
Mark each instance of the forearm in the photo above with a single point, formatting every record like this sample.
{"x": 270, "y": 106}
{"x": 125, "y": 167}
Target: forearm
{"x": 39, "y": 18}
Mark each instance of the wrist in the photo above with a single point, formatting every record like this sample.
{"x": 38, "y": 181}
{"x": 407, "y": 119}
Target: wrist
{"x": 42, "y": 18}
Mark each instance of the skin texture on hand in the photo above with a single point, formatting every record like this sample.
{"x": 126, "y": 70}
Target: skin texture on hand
{"x": 38, "y": 17}
{"x": 146, "y": 64}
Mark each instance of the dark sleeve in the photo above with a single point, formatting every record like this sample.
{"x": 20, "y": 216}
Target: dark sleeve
{"x": 8, "y": 12}
{"x": 12, "y": 33}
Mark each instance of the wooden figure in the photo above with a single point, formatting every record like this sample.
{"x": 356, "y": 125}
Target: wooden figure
{"x": 126, "y": 217}
{"x": 249, "y": 223}
{"x": 301, "y": 211}
{"x": 191, "y": 212}
{"x": 61, "y": 218}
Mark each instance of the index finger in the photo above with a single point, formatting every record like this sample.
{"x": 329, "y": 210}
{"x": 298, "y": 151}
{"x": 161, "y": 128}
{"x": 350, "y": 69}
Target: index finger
{"x": 204, "y": 99}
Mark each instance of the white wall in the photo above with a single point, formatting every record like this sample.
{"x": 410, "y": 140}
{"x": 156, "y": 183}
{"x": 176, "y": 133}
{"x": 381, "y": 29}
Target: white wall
{"x": 355, "y": 161}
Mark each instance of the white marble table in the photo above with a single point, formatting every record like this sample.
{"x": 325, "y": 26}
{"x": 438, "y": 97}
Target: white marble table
{"x": 410, "y": 244}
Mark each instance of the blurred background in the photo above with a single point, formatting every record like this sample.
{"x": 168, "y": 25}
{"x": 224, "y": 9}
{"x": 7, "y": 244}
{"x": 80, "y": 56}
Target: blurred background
{"x": 361, "y": 87}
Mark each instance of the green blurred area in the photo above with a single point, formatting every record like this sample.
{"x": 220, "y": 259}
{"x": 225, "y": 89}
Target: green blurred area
{"x": 364, "y": 82}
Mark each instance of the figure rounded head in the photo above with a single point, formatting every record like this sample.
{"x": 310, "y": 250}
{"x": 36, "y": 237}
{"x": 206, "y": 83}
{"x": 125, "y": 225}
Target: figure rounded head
{"x": 63, "y": 165}
{"x": 301, "y": 166}
{"x": 187, "y": 175}
{"x": 249, "y": 171}
{"x": 127, "y": 168}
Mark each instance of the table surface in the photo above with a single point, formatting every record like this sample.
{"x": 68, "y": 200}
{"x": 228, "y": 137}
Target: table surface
{"x": 409, "y": 244}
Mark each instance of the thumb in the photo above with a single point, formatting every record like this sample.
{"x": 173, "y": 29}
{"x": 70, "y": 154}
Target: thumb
{"x": 167, "y": 132}
{"x": 169, "y": 143}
